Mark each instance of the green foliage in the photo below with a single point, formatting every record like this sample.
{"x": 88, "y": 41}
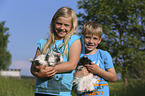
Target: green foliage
{"x": 123, "y": 23}
{"x": 5, "y": 56}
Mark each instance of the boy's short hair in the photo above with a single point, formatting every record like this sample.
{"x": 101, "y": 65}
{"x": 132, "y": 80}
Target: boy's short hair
{"x": 92, "y": 27}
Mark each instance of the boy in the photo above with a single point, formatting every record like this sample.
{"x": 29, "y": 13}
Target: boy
{"x": 102, "y": 66}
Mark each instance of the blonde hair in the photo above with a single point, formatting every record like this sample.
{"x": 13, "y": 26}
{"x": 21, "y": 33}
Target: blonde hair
{"x": 62, "y": 12}
{"x": 92, "y": 27}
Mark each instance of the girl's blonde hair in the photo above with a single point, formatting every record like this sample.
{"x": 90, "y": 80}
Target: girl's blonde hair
{"x": 92, "y": 27}
{"x": 62, "y": 12}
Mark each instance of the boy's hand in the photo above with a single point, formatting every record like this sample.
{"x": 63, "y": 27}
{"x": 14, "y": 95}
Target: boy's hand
{"x": 93, "y": 68}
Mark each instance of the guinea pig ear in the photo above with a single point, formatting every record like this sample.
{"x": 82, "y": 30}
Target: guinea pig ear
{"x": 30, "y": 59}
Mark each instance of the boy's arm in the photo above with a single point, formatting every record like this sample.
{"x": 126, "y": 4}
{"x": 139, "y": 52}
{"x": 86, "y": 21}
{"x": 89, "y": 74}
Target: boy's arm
{"x": 109, "y": 75}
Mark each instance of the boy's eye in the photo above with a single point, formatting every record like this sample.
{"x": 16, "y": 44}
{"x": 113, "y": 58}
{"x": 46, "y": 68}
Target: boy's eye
{"x": 89, "y": 37}
{"x": 95, "y": 38}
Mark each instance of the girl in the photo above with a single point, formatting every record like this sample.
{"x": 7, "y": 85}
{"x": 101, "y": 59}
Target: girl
{"x": 57, "y": 80}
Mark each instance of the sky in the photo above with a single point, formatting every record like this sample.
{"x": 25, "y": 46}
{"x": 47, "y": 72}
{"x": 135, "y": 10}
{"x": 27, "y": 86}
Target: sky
{"x": 28, "y": 21}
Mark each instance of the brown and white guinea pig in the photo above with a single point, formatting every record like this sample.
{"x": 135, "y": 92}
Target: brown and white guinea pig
{"x": 83, "y": 80}
{"x": 49, "y": 59}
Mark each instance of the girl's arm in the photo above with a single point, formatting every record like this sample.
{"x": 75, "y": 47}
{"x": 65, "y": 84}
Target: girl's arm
{"x": 74, "y": 54}
{"x": 109, "y": 75}
{"x": 43, "y": 70}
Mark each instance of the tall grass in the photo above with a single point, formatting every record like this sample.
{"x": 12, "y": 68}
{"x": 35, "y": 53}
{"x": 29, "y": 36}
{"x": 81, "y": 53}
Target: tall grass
{"x": 134, "y": 88}
{"x": 26, "y": 87}
{"x": 16, "y": 87}
{"x": 114, "y": 87}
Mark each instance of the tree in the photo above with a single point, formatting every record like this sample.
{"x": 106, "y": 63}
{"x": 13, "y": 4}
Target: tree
{"x": 123, "y": 23}
{"x": 5, "y": 56}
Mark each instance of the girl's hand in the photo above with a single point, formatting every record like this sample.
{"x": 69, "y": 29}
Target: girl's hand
{"x": 44, "y": 71}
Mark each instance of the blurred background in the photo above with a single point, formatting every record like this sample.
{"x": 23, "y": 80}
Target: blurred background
{"x": 28, "y": 21}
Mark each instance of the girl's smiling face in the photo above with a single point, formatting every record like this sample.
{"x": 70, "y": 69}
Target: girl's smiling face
{"x": 62, "y": 27}
{"x": 91, "y": 42}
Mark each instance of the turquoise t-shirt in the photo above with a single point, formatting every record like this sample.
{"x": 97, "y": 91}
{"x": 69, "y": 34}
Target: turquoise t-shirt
{"x": 104, "y": 60}
{"x": 60, "y": 84}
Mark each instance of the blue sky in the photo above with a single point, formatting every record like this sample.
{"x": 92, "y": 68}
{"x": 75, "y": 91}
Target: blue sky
{"x": 28, "y": 21}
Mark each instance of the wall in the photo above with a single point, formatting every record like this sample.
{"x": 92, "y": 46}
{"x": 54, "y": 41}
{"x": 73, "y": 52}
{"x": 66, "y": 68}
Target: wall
{"x": 11, "y": 73}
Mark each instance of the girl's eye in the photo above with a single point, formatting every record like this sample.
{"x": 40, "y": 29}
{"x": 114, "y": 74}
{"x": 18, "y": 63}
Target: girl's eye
{"x": 66, "y": 25}
{"x": 58, "y": 23}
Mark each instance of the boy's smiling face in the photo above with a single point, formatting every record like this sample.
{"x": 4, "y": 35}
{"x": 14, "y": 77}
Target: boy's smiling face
{"x": 91, "y": 42}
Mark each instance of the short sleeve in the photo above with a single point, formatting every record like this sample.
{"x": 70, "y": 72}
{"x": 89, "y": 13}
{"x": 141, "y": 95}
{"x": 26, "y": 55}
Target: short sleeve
{"x": 40, "y": 43}
{"x": 73, "y": 39}
{"x": 108, "y": 60}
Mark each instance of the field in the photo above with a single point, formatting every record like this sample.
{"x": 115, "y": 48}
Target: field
{"x": 26, "y": 87}
{"x": 16, "y": 87}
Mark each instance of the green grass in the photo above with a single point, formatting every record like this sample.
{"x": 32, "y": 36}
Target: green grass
{"x": 114, "y": 87}
{"x": 16, "y": 87}
{"x": 134, "y": 88}
{"x": 26, "y": 87}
